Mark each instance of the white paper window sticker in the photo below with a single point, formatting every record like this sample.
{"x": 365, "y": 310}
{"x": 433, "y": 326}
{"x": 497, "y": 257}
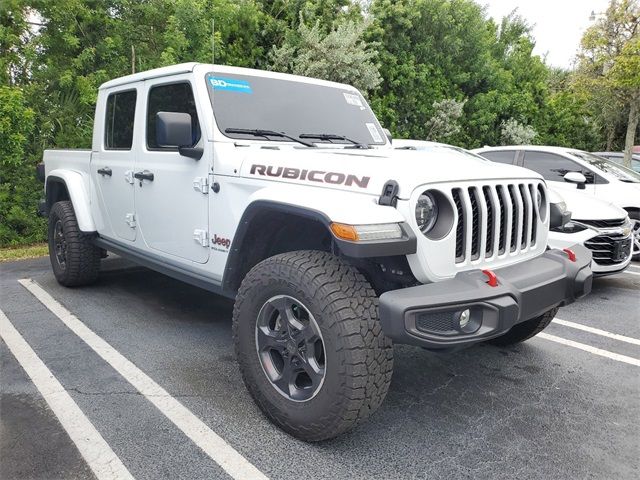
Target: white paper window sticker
{"x": 374, "y": 132}
{"x": 352, "y": 99}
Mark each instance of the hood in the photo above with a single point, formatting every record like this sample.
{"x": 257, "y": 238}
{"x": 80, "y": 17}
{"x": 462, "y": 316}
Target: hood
{"x": 367, "y": 171}
{"x": 584, "y": 206}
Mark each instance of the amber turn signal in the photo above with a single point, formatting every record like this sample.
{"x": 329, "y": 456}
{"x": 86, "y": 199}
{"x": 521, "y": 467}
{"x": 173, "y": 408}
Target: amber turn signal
{"x": 344, "y": 232}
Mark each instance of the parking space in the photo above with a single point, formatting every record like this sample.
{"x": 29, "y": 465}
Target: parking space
{"x": 149, "y": 363}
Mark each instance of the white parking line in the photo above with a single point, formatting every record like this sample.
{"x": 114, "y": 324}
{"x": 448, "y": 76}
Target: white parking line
{"x": 102, "y": 461}
{"x": 628, "y": 272}
{"x": 588, "y": 348}
{"x": 213, "y": 445}
{"x": 597, "y": 331}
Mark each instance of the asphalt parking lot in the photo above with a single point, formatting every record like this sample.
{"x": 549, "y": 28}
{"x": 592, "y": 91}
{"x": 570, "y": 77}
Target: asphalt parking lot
{"x": 162, "y": 398}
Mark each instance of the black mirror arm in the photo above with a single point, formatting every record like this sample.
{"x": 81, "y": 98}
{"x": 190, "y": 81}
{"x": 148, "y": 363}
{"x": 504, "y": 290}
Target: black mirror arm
{"x": 191, "y": 152}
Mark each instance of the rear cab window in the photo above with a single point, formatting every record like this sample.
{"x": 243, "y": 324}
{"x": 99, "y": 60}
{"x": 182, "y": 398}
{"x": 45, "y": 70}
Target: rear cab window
{"x": 119, "y": 120}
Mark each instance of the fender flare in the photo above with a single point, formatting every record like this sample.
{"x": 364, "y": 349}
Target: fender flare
{"x": 78, "y": 194}
{"x": 404, "y": 246}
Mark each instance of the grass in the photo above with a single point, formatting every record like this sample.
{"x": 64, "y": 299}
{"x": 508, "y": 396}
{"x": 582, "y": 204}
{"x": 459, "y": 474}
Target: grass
{"x": 8, "y": 254}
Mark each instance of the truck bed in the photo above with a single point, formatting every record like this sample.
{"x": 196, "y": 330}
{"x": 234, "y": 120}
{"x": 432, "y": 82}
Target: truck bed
{"x": 72, "y": 159}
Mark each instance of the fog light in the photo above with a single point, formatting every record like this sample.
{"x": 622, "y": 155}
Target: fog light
{"x": 463, "y": 319}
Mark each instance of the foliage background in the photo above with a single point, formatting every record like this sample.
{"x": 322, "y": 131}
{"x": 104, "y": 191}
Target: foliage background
{"x": 432, "y": 69}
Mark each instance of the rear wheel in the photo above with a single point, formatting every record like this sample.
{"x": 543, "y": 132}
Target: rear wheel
{"x": 525, "y": 330}
{"x": 75, "y": 260}
{"x": 309, "y": 344}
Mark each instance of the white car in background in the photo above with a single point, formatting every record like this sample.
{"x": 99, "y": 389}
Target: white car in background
{"x": 571, "y": 169}
{"x": 601, "y": 226}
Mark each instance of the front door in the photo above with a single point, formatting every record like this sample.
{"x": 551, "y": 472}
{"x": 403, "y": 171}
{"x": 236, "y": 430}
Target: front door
{"x": 112, "y": 166}
{"x": 171, "y": 209}
{"x": 554, "y": 167}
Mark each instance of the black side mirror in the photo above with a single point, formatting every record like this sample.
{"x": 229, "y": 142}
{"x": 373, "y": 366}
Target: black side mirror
{"x": 173, "y": 129}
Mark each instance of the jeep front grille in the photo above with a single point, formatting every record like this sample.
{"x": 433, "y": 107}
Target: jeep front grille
{"x": 495, "y": 218}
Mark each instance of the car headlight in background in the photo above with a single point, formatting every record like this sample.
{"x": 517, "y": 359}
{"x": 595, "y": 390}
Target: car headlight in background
{"x": 426, "y": 212}
{"x": 570, "y": 227}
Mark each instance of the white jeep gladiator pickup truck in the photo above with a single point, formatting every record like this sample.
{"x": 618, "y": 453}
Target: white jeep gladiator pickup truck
{"x": 284, "y": 193}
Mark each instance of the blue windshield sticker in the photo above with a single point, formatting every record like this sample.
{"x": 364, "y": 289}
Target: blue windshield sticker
{"x": 230, "y": 84}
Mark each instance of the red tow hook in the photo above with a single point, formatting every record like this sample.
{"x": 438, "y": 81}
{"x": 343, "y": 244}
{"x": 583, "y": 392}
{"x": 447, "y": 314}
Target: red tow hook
{"x": 570, "y": 253}
{"x": 493, "y": 279}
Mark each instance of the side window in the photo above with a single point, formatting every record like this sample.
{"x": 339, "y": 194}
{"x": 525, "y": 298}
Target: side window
{"x": 500, "y": 156}
{"x": 118, "y": 131}
{"x": 554, "y": 167}
{"x": 177, "y": 97}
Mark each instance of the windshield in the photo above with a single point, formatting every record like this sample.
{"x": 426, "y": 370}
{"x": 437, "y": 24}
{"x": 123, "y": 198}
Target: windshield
{"x": 623, "y": 173}
{"x": 293, "y": 107}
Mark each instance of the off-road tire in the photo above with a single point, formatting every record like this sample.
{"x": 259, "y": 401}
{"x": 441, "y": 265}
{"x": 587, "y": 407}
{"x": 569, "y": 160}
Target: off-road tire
{"x": 525, "y": 330}
{"x": 82, "y": 258}
{"x": 358, "y": 357}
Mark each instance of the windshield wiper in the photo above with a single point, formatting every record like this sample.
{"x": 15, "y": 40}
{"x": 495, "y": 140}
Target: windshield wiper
{"x": 333, "y": 136}
{"x": 256, "y": 132}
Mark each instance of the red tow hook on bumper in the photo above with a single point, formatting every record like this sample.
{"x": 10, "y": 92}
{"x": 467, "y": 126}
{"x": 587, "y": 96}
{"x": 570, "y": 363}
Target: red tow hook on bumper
{"x": 493, "y": 279}
{"x": 570, "y": 253}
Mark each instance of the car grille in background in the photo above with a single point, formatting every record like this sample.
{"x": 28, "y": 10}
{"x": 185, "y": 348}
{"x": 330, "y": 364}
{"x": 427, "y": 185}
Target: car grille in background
{"x": 604, "y": 223}
{"x": 493, "y": 219}
{"x": 609, "y": 249}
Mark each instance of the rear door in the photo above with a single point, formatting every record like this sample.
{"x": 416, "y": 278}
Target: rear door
{"x": 500, "y": 156}
{"x": 112, "y": 164}
{"x": 171, "y": 197}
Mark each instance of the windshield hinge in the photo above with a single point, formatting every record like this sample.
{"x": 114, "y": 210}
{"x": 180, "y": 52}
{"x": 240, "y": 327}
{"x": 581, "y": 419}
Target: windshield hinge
{"x": 201, "y": 236}
{"x": 389, "y": 195}
{"x": 201, "y": 184}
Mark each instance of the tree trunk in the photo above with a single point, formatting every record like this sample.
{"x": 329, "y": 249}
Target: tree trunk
{"x": 611, "y": 136}
{"x": 632, "y": 125}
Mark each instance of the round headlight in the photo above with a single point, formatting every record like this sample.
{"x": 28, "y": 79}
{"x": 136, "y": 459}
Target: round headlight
{"x": 426, "y": 212}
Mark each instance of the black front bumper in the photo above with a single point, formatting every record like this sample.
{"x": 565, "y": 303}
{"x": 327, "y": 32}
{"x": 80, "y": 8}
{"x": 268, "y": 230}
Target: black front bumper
{"x": 429, "y": 315}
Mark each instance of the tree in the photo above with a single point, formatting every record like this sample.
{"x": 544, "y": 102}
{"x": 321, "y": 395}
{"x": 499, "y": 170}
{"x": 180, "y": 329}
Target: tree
{"x": 513, "y": 132}
{"x": 608, "y": 68}
{"x": 445, "y": 121}
{"x": 19, "y": 222}
{"x": 341, "y": 55}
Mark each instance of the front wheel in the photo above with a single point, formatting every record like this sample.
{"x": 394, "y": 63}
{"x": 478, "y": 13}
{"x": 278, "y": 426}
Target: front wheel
{"x": 309, "y": 344}
{"x": 525, "y": 330}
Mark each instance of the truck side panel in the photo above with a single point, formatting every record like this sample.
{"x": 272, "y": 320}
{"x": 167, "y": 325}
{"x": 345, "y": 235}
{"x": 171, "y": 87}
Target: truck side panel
{"x": 71, "y": 168}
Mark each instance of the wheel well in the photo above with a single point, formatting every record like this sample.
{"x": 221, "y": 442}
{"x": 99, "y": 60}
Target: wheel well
{"x": 268, "y": 232}
{"x": 56, "y": 192}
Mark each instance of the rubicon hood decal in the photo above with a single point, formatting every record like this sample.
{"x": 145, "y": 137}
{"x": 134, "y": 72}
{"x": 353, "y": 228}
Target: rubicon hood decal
{"x": 320, "y": 176}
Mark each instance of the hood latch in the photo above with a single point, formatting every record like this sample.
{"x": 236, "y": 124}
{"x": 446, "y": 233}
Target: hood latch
{"x": 389, "y": 195}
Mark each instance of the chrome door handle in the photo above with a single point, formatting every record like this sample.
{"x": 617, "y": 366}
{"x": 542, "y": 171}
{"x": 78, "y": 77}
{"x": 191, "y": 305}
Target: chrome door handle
{"x": 144, "y": 175}
{"x": 105, "y": 171}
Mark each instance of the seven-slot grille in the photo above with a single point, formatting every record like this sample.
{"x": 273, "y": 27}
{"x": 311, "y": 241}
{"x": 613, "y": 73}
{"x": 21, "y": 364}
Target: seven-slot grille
{"x": 495, "y": 219}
